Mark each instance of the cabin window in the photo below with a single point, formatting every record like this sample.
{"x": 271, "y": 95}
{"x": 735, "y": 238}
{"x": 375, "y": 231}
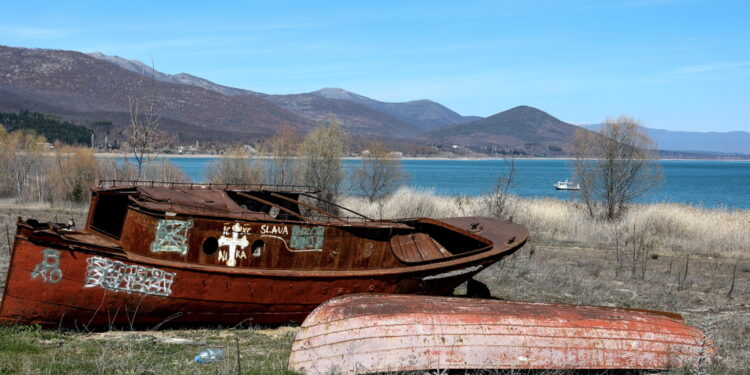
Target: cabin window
{"x": 258, "y": 247}
{"x": 109, "y": 214}
{"x": 274, "y": 209}
{"x": 210, "y": 245}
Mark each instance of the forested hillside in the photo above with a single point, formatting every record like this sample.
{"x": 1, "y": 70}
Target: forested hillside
{"x": 49, "y": 126}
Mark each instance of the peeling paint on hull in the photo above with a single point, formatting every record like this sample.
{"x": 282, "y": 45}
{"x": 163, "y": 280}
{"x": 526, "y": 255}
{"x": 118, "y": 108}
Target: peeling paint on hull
{"x": 378, "y": 333}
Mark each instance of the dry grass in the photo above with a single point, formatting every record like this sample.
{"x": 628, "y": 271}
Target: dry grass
{"x": 30, "y": 350}
{"x": 673, "y": 228}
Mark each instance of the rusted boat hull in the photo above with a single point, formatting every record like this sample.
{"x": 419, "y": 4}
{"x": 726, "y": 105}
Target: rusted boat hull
{"x": 66, "y": 287}
{"x": 199, "y": 253}
{"x": 375, "y": 333}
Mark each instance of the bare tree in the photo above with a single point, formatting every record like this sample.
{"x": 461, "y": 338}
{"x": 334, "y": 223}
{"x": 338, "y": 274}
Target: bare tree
{"x": 322, "y": 151}
{"x": 23, "y": 167}
{"x": 379, "y": 174}
{"x": 144, "y": 138}
{"x": 615, "y": 166}
{"x": 74, "y": 171}
{"x": 497, "y": 201}
{"x": 234, "y": 167}
{"x": 162, "y": 171}
{"x": 283, "y": 167}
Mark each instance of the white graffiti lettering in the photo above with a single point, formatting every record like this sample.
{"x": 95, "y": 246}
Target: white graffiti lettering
{"x": 237, "y": 228}
{"x": 274, "y": 229}
{"x": 118, "y": 276}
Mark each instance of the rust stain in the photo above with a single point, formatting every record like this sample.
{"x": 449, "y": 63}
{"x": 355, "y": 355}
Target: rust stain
{"x": 382, "y": 333}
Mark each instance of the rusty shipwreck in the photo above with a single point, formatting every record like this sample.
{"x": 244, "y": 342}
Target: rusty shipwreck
{"x": 189, "y": 253}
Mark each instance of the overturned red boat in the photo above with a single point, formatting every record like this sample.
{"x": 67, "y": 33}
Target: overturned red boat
{"x": 189, "y": 253}
{"x": 358, "y": 334}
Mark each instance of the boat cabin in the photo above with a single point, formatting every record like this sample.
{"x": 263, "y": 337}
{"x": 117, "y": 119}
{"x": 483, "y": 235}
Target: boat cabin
{"x": 257, "y": 226}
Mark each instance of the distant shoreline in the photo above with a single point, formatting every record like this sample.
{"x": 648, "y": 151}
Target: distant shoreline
{"x": 203, "y": 156}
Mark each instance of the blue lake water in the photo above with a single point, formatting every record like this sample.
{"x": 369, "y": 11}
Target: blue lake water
{"x": 701, "y": 183}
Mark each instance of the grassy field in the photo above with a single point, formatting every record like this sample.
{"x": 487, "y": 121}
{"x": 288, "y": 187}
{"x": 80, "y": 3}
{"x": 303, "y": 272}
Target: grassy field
{"x": 665, "y": 257}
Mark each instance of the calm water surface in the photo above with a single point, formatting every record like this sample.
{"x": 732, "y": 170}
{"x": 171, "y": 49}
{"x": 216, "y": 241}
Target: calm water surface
{"x": 701, "y": 183}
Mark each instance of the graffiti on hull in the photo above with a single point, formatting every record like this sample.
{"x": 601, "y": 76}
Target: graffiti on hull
{"x": 49, "y": 268}
{"x": 234, "y": 238}
{"x": 118, "y": 276}
{"x": 307, "y": 238}
{"x": 171, "y": 236}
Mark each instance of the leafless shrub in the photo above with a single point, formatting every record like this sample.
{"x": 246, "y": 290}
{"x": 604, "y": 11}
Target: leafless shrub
{"x": 682, "y": 278}
{"x": 321, "y": 153}
{"x": 734, "y": 279}
{"x": 642, "y": 244}
{"x": 160, "y": 170}
{"x": 633, "y": 243}
{"x": 284, "y": 165}
{"x": 164, "y": 170}
{"x": 616, "y": 240}
{"x": 497, "y": 200}
{"x": 145, "y": 140}
{"x": 74, "y": 171}
{"x": 22, "y": 165}
{"x": 614, "y": 166}
{"x": 112, "y": 169}
{"x": 234, "y": 167}
{"x": 379, "y": 174}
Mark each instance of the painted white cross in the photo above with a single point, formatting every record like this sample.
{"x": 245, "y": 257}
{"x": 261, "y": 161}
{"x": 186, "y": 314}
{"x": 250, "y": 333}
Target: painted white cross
{"x": 233, "y": 243}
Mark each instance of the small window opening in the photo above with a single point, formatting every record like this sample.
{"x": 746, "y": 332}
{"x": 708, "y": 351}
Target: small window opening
{"x": 274, "y": 212}
{"x": 109, "y": 214}
{"x": 210, "y": 245}
{"x": 258, "y": 247}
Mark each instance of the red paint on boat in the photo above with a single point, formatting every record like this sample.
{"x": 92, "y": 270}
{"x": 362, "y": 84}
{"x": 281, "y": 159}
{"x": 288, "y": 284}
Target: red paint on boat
{"x": 381, "y": 333}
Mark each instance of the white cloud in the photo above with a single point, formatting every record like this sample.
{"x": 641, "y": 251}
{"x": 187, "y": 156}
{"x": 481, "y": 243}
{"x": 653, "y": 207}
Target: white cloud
{"x": 693, "y": 69}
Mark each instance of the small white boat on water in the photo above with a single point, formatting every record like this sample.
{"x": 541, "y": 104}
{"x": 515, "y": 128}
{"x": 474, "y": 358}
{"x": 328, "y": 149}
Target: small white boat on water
{"x": 567, "y": 185}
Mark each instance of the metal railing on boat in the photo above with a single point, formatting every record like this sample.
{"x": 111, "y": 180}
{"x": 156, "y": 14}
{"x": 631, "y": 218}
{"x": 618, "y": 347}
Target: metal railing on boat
{"x": 313, "y": 214}
{"x": 104, "y": 184}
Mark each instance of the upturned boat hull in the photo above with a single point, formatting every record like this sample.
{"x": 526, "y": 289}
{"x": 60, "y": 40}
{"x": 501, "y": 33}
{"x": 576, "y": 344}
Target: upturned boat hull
{"x": 381, "y": 333}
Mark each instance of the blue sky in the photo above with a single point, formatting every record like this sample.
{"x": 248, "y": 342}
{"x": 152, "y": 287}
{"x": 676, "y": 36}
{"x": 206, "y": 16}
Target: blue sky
{"x": 673, "y": 64}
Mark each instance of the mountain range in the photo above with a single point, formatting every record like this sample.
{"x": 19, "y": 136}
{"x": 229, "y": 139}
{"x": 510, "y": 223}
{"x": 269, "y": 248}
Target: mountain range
{"x": 523, "y": 128}
{"x": 317, "y": 105}
{"x": 90, "y": 88}
{"x": 735, "y": 142}
{"x": 84, "y": 89}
